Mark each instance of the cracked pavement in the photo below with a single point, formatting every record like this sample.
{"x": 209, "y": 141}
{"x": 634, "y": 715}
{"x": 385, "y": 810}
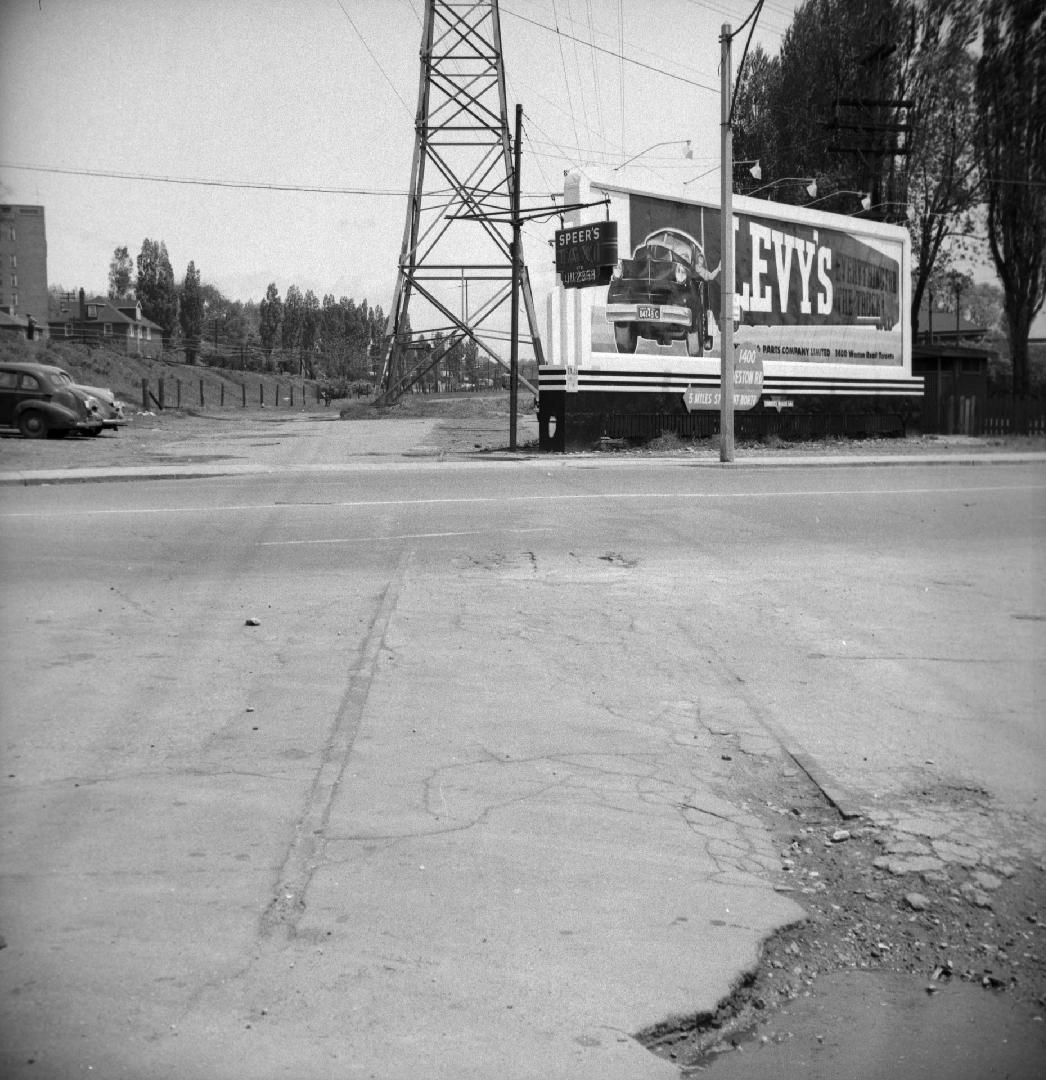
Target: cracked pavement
{"x": 368, "y": 781}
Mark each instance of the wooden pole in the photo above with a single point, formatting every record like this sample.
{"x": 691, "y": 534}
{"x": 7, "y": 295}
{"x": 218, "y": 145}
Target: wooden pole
{"x": 726, "y": 275}
{"x": 513, "y": 393}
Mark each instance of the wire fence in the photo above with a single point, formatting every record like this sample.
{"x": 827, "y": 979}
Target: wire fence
{"x": 164, "y": 393}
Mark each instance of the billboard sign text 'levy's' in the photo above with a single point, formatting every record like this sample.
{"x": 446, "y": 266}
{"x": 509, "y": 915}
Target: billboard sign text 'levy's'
{"x": 586, "y": 254}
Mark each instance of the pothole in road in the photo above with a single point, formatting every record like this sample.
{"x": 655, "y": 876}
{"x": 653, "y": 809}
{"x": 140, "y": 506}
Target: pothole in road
{"x": 934, "y": 917}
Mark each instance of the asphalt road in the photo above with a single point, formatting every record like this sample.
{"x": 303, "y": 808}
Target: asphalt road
{"x": 453, "y": 807}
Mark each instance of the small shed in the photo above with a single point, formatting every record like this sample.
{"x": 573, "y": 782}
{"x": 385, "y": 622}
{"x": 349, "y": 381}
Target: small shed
{"x": 955, "y": 387}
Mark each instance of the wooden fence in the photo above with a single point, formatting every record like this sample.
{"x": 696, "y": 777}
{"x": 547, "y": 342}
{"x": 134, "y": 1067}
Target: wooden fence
{"x": 1011, "y": 416}
{"x": 169, "y": 394}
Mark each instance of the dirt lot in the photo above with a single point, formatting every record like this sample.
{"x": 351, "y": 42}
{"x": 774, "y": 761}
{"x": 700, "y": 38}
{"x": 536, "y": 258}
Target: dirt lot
{"x": 464, "y": 424}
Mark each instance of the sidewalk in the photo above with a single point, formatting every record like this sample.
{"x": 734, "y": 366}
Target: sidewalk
{"x": 425, "y": 456}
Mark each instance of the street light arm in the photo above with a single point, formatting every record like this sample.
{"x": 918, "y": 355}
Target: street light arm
{"x": 866, "y": 199}
{"x": 810, "y": 181}
{"x": 670, "y": 142}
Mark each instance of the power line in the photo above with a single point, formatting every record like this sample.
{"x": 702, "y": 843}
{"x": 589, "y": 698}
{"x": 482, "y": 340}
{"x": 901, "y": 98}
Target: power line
{"x": 374, "y": 58}
{"x": 611, "y": 52}
{"x": 251, "y": 185}
{"x": 566, "y": 78}
{"x": 199, "y": 181}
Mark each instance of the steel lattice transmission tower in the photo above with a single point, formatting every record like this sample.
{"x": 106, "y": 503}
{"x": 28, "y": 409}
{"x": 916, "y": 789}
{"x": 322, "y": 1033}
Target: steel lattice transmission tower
{"x": 455, "y": 266}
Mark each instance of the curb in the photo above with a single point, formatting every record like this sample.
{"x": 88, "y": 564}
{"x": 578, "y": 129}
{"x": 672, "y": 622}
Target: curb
{"x": 434, "y": 455}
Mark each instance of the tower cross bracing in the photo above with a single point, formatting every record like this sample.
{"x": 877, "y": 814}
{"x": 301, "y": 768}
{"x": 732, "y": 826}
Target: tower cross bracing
{"x": 454, "y": 277}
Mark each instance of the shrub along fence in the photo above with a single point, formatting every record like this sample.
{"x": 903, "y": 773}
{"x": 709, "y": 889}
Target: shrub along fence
{"x": 176, "y": 394}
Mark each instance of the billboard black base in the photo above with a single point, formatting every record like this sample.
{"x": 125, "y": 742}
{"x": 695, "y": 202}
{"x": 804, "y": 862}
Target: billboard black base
{"x": 577, "y": 421}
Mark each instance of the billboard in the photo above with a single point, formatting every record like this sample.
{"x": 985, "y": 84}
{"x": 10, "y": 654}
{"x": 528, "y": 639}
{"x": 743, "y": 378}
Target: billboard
{"x": 809, "y": 287}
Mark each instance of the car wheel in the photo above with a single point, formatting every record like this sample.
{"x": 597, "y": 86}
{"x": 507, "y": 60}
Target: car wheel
{"x": 58, "y": 433}
{"x": 95, "y": 431}
{"x": 33, "y": 424}
{"x": 625, "y": 337}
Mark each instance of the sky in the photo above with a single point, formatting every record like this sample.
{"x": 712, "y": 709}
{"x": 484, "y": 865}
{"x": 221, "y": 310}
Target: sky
{"x": 285, "y": 94}
{"x": 321, "y": 93}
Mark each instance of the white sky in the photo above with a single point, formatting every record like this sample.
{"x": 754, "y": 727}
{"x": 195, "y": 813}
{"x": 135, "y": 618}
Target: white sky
{"x": 287, "y": 92}
{"x": 322, "y": 93}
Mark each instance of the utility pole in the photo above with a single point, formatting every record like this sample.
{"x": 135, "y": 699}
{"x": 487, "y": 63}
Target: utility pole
{"x": 513, "y": 384}
{"x": 726, "y": 276}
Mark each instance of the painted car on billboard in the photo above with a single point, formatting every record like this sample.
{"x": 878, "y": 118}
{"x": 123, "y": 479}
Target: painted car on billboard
{"x": 661, "y": 294}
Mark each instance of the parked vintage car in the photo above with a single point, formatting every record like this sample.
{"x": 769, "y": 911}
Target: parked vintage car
{"x": 661, "y": 294}
{"x": 38, "y": 400}
{"x": 111, "y": 409}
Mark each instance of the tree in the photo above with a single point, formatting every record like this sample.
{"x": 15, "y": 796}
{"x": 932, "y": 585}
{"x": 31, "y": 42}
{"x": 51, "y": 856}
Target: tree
{"x": 155, "y": 288}
{"x": 292, "y": 318}
{"x": 941, "y": 172}
{"x": 834, "y": 51}
{"x": 310, "y": 324}
{"x": 270, "y": 317}
{"x": 190, "y": 312}
{"x": 1011, "y": 104}
{"x": 121, "y": 268}
{"x": 471, "y": 362}
{"x": 984, "y": 304}
{"x": 755, "y": 120}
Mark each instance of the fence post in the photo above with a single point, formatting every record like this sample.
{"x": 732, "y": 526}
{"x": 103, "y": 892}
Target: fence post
{"x": 221, "y": 395}
{"x": 261, "y": 394}
{"x": 161, "y": 394}
{"x": 177, "y": 393}
{"x": 145, "y": 395}
{"x": 292, "y": 396}
{"x": 243, "y": 387}
{"x": 201, "y": 394}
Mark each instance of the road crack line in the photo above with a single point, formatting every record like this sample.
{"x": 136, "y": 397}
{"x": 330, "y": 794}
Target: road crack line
{"x": 305, "y": 852}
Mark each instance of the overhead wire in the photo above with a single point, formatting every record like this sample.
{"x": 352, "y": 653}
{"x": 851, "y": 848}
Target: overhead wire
{"x": 577, "y": 65}
{"x": 621, "y": 66}
{"x": 250, "y": 185}
{"x": 566, "y": 77}
{"x": 370, "y": 53}
{"x": 615, "y": 53}
{"x": 595, "y": 70}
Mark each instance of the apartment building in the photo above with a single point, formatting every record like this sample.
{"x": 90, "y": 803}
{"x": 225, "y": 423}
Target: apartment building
{"x": 23, "y": 262}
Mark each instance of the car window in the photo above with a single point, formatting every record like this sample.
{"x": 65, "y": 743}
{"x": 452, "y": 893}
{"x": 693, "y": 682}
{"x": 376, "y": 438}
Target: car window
{"x": 676, "y": 245}
{"x": 62, "y": 378}
{"x": 8, "y": 379}
{"x": 28, "y": 382}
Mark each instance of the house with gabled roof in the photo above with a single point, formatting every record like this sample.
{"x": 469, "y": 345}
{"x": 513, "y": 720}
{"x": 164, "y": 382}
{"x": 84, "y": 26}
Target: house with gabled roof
{"x": 117, "y": 324}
